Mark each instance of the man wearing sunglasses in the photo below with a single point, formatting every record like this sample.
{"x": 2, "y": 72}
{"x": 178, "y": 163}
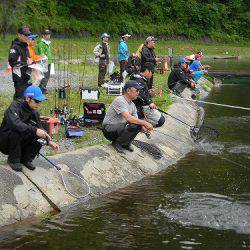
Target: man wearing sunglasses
{"x": 21, "y": 128}
{"x": 121, "y": 123}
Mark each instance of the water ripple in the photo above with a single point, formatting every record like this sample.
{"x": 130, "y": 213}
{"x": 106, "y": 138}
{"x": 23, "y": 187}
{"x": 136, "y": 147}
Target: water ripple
{"x": 208, "y": 210}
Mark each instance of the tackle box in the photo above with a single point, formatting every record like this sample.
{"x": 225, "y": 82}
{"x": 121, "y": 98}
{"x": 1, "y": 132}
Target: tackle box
{"x": 50, "y": 124}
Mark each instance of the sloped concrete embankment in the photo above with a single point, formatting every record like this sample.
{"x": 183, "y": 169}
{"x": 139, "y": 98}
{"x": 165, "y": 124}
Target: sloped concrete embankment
{"x": 104, "y": 169}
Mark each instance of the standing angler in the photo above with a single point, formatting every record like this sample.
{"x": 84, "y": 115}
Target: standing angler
{"x": 148, "y": 54}
{"x": 19, "y": 60}
{"x": 101, "y": 52}
{"x": 21, "y": 128}
{"x": 123, "y": 53}
{"x": 43, "y": 48}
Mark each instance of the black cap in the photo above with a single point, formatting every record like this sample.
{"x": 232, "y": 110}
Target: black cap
{"x": 46, "y": 32}
{"x": 132, "y": 84}
{"x": 148, "y": 66}
{"x": 21, "y": 31}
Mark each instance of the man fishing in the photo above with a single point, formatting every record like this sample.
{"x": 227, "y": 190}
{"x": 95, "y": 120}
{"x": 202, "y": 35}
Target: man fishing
{"x": 145, "y": 106}
{"x": 21, "y": 128}
{"x": 148, "y": 54}
{"x": 101, "y": 52}
{"x": 177, "y": 79}
{"x": 121, "y": 123}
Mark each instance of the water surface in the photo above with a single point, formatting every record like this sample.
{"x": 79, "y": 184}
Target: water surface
{"x": 202, "y": 202}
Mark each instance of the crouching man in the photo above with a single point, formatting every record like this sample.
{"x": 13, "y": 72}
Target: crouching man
{"x": 146, "y": 107}
{"x": 177, "y": 79}
{"x": 21, "y": 128}
{"x": 121, "y": 123}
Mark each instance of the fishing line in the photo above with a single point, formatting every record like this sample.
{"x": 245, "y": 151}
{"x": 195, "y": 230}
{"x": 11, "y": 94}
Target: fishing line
{"x": 213, "y": 103}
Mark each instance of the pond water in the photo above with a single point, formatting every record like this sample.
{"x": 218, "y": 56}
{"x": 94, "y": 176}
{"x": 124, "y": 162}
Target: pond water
{"x": 202, "y": 202}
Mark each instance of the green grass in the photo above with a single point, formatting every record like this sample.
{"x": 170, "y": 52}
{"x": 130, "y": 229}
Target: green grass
{"x": 93, "y": 135}
{"x": 82, "y": 46}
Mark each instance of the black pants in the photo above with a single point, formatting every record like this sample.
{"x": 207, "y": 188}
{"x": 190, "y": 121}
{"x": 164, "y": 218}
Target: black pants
{"x": 122, "y": 69}
{"x": 20, "y": 84}
{"x": 177, "y": 87}
{"x": 45, "y": 80}
{"x": 19, "y": 147}
{"x": 123, "y": 134}
{"x": 102, "y": 72}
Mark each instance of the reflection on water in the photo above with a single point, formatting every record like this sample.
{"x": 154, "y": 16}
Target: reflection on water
{"x": 203, "y": 202}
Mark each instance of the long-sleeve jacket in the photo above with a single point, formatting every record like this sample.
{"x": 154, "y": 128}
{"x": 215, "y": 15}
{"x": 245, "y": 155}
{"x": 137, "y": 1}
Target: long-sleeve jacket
{"x": 147, "y": 55}
{"x": 123, "y": 53}
{"x": 19, "y": 117}
{"x": 178, "y": 75}
{"x": 101, "y": 51}
{"x": 18, "y": 56}
{"x": 144, "y": 98}
{"x": 43, "y": 48}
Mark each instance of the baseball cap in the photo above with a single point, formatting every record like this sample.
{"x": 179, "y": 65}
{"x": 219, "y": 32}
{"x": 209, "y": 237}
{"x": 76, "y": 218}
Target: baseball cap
{"x": 125, "y": 34}
{"x": 132, "y": 84}
{"x": 34, "y": 92}
{"x": 150, "y": 39}
{"x": 105, "y": 35}
{"x": 21, "y": 31}
{"x": 182, "y": 60}
{"x": 32, "y": 36}
{"x": 46, "y": 32}
{"x": 197, "y": 56}
{"x": 149, "y": 66}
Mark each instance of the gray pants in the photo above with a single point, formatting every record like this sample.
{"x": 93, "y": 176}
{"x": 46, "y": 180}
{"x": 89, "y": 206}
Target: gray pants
{"x": 44, "y": 81}
{"x": 102, "y": 72}
{"x": 121, "y": 133}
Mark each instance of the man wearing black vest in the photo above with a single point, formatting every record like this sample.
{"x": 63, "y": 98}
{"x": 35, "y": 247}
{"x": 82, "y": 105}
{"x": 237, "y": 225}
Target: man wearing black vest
{"x": 19, "y": 60}
{"x": 101, "y": 52}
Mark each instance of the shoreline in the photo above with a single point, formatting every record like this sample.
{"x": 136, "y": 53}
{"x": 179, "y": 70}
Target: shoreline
{"x": 102, "y": 167}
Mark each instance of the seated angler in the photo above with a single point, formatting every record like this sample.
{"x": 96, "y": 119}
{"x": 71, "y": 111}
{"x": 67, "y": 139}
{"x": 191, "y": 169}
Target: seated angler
{"x": 177, "y": 79}
{"x": 145, "y": 106}
{"x": 21, "y": 128}
{"x": 121, "y": 123}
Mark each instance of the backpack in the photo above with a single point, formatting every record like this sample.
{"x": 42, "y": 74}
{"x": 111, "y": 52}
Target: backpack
{"x": 97, "y": 52}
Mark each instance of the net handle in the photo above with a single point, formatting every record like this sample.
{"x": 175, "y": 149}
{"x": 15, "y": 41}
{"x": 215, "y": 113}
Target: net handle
{"x": 48, "y": 160}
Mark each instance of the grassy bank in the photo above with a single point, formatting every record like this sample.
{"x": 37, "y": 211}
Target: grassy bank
{"x": 186, "y": 47}
{"x": 92, "y": 134}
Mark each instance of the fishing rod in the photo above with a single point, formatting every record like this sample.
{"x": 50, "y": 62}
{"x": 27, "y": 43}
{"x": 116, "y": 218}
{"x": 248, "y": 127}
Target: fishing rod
{"x": 162, "y": 111}
{"x": 214, "y": 103}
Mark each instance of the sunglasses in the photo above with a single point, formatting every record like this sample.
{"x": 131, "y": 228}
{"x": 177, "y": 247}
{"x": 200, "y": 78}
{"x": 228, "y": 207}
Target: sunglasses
{"x": 36, "y": 101}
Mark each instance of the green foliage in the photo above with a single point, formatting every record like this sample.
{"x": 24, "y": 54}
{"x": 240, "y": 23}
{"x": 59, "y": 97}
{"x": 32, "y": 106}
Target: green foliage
{"x": 222, "y": 20}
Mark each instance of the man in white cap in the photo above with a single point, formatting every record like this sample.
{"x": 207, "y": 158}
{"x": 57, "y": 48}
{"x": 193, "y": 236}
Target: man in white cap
{"x": 123, "y": 53}
{"x": 101, "y": 52}
{"x": 21, "y": 128}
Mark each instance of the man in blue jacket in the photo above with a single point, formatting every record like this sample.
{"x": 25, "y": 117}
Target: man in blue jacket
{"x": 123, "y": 53}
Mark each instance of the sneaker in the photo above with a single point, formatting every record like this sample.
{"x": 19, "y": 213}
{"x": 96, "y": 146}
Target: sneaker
{"x": 29, "y": 165}
{"x": 118, "y": 147}
{"x": 130, "y": 148}
{"x": 15, "y": 166}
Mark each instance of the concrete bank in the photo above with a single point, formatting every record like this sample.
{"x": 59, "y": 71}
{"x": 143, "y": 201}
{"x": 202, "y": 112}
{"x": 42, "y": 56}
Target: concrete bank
{"x": 104, "y": 169}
